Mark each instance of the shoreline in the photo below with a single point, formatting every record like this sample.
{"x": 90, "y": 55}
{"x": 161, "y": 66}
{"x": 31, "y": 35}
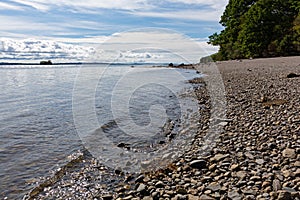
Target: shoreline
{"x": 257, "y": 155}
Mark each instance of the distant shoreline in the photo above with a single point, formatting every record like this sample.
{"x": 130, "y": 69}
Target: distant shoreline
{"x": 84, "y": 63}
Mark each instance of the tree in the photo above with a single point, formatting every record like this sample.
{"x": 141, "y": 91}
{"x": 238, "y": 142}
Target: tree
{"x": 257, "y": 28}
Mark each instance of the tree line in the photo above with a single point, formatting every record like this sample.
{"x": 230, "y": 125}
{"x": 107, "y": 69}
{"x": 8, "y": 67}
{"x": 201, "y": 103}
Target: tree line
{"x": 258, "y": 28}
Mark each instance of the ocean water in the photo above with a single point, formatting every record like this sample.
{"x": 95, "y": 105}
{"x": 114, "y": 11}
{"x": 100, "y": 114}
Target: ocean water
{"x": 45, "y": 113}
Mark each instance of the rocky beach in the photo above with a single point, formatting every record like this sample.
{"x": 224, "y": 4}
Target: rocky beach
{"x": 256, "y": 155}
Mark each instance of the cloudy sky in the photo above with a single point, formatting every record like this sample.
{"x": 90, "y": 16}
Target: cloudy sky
{"x": 55, "y": 24}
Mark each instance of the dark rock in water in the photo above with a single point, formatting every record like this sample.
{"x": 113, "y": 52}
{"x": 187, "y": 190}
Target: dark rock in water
{"x": 140, "y": 179}
{"x": 200, "y": 164}
{"x": 118, "y": 171}
{"x": 181, "y": 65}
{"x": 108, "y": 126}
{"x": 123, "y": 145}
{"x": 171, "y": 65}
{"x": 292, "y": 75}
{"x": 46, "y": 62}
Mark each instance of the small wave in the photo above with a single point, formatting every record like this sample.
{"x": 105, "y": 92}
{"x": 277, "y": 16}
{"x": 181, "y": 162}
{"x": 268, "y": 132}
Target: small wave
{"x": 60, "y": 172}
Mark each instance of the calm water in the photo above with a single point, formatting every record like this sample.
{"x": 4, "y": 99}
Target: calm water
{"x": 37, "y": 127}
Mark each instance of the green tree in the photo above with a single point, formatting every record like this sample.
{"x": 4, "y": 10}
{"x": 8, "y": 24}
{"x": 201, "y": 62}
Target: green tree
{"x": 258, "y": 28}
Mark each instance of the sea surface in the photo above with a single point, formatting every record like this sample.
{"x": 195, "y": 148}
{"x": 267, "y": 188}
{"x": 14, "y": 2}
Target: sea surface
{"x": 39, "y": 106}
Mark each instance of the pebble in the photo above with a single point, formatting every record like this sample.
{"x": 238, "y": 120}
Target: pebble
{"x": 205, "y": 197}
{"x": 289, "y": 153}
{"x": 199, "y": 164}
{"x": 159, "y": 184}
{"x": 234, "y": 195}
{"x": 276, "y": 185}
{"x": 141, "y": 188}
{"x": 214, "y": 187}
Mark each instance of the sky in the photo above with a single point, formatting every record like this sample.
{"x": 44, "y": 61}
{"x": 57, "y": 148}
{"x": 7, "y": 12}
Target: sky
{"x": 75, "y": 29}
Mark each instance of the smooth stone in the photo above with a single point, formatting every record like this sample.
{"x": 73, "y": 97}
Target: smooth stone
{"x": 218, "y": 157}
{"x": 107, "y": 197}
{"x": 234, "y": 195}
{"x": 159, "y": 184}
{"x": 140, "y": 179}
{"x": 284, "y": 195}
{"x": 266, "y": 184}
{"x": 206, "y": 197}
{"x": 214, "y": 187}
{"x": 250, "y": 192}
{"x": 212, "y": 167}
{"x": 255, "y": 178}
{"x": 181, "y": 191}
{"x": 276, "y": 185}
{"x": 128, "y": 197}
{"x": 147, "y": 198}
{"x": 289, "y": 153}
{"x": 180, "y": 197}
{"x": 234, "y": 167}
{"x": 199, "y": 164}
{"x": 192, "y": 197}
{"x": 241, "y": 174}
{"x": 297, "y": 164}
{"x": 291, "y": 190}
{"x": 141, "y": 188}
{"x": 260, "y": 161}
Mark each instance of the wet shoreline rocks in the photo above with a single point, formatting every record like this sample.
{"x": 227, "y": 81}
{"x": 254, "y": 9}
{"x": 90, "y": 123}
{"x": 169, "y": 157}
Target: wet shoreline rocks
{"x": 257, "y": 156}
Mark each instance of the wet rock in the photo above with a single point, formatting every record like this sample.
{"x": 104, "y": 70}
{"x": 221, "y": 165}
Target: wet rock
{"x": 140, "y": 179}
{"x": 199, "y": 164}
{"x": 292, "y": 75}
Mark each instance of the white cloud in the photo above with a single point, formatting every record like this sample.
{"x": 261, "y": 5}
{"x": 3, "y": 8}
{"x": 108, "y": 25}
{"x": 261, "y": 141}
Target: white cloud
{"x": 11, "y": 23}
{"x": 39, "y": 5}
{"x": 197, "y": 15}
{"x": 165, "y": 46}
{"x": 32, "y": 49}
{"x": 7, "y": 6}
{"x": 146, "y": 8}
{"x": 44, "y": 5}
{"x": 144, "y": 45}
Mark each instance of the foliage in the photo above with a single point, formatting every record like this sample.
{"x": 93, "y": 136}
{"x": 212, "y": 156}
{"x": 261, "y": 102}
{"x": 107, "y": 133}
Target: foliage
{"x": 258, "y": 28}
